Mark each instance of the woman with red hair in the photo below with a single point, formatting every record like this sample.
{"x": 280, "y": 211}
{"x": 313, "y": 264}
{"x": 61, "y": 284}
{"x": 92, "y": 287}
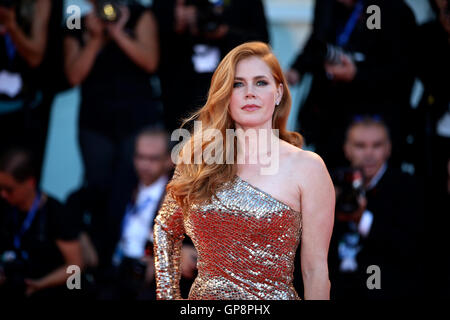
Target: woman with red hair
{"x": 246, "y": 220}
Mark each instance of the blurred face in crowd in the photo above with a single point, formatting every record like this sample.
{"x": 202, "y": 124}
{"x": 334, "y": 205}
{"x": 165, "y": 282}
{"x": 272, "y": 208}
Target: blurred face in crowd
{"x": 17, "y": 194}
{"x": 367, "y": 147}
{"x": 254, "y": 94}
{"x": 151, "y": 158}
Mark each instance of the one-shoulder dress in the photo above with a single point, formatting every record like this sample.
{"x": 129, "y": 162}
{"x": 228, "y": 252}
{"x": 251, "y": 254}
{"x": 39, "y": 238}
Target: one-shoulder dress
{"x": 246, "y": 242}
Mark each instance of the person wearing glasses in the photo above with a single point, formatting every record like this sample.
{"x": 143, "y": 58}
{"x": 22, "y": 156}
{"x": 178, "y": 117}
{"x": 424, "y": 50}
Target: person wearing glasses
{"x": 134, "y": 270}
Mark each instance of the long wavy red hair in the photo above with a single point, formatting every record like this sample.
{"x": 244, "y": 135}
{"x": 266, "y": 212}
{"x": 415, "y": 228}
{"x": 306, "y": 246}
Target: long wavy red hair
{"x": 196, "y": 183}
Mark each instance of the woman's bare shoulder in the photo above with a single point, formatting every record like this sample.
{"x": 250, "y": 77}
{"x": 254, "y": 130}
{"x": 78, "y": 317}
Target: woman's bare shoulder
{"x": 308, "y": 158}
{"x": 299, "y": 158}
{"x": 304, "y": 164}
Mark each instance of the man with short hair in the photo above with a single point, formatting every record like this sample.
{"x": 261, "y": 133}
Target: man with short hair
{"x": 38, "y": 240}
{"x": 134, "y": 253}
{"x": 384, "y": 230}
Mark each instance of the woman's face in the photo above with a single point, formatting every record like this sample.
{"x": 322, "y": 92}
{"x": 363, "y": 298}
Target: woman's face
{"x": 254, "y": 94}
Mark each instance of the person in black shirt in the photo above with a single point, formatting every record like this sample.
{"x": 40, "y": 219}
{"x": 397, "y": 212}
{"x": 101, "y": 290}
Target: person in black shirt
{"x": 37, "y": 240}
{"x": 372, "y": 74}
{"x": 134, "y": 270}
{"x": 112, "y": 62}
{"x": 31, "y": 72}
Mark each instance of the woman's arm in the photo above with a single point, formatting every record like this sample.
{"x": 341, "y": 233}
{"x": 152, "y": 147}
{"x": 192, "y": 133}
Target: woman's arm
{"x": 318, "y": 200}
{"x": 168, "y": 235}
{"x": 31, "y": 48}
{"x": 142, "y": 50}
{"x": 78, "y": 61}
{"x": 71, "y": 251}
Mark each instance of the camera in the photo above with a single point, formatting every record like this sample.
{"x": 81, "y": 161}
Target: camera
{"x": 209, "y": 14}
{"x": 350, "y": 183}
{"x": 6, "y": 3}
{"x": 326, "y": 52}
{"x": 109, "y": 10}
{"x": 15, "y": 269}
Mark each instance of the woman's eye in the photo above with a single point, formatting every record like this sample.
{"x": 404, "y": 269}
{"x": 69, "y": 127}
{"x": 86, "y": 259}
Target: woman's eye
{"x": 261, "y": 83}
{"x": 237, "y": 84}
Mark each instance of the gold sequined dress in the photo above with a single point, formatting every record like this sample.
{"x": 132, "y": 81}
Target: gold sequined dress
{"x": 245, "y": 239}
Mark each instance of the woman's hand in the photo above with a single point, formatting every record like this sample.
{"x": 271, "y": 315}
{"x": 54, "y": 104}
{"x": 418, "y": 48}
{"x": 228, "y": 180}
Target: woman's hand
{"x": 7, "y": 18}
{"x": 114, "y": 29}
{"x": 344, "y": 72}
{"x": 30, "y": 46}
{"x": 95, "y": 26}
{"x": 142, "y": 47}
{"x": 292, "y": 76}
{"x": 32, "y": 286}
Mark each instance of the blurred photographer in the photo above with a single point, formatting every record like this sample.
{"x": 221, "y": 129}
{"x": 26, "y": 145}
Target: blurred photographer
{"x": 30, "y": 72}
{"x": 37, "y": 240}
{"x": 134, "y": 270}
{"x": 195, "y": 35}
{"x": 356, "y": 70}
{"x": 378, "y": 219}
{"x": 112, "y": 58}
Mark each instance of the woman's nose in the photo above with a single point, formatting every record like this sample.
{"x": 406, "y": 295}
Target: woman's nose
{"x": 250, "y": 92}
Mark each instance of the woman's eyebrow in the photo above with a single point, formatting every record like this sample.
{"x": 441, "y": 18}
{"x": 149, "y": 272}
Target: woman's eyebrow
{"x": 255, "y": 77}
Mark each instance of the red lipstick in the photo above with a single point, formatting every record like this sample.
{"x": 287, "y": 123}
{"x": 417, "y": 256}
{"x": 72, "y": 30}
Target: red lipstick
{"x": 250, "y": 107}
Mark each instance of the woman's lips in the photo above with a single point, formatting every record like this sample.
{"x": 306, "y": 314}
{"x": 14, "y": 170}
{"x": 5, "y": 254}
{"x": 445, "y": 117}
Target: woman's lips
{"x": 250, "y": 107}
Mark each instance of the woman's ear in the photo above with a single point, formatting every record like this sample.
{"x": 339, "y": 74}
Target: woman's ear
{"x": 280, "y": 91}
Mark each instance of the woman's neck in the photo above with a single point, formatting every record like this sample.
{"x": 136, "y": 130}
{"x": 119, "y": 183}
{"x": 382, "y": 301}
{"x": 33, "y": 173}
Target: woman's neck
{"x": 256, "y": 144}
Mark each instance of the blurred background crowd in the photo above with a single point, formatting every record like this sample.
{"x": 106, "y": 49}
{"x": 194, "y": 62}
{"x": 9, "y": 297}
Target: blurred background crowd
{"x": 371, "y": 96}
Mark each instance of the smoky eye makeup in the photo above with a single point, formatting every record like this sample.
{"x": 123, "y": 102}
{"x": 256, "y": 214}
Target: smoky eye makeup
{"x": 262, "y": 83}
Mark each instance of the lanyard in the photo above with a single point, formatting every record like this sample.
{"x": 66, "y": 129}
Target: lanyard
{"x": 27, "y": 222}
{"x": 132, "y": 210}
{"x": 343, "y": 38}
{"x": 10, "y": 47}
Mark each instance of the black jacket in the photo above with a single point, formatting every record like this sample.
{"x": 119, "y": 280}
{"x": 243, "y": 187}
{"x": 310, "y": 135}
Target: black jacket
{"x": 393, "y": 243}
{"x": 384, "y": 78}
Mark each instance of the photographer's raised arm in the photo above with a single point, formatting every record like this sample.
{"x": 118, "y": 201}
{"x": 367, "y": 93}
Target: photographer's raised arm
{"x": 31, "y": 48}
{"x": 71, "y": 252}
{"x": 392, "y": 61}
{"x": 143, "y": 49}
{"x": 78, "y": 60}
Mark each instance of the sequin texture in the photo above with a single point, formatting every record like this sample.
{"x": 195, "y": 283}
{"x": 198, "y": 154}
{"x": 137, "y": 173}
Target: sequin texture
{"x": 246, "y": 242}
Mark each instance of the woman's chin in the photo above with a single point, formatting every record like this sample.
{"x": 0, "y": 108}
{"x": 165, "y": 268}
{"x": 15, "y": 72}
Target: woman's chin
{"x": 251, "y": 122}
